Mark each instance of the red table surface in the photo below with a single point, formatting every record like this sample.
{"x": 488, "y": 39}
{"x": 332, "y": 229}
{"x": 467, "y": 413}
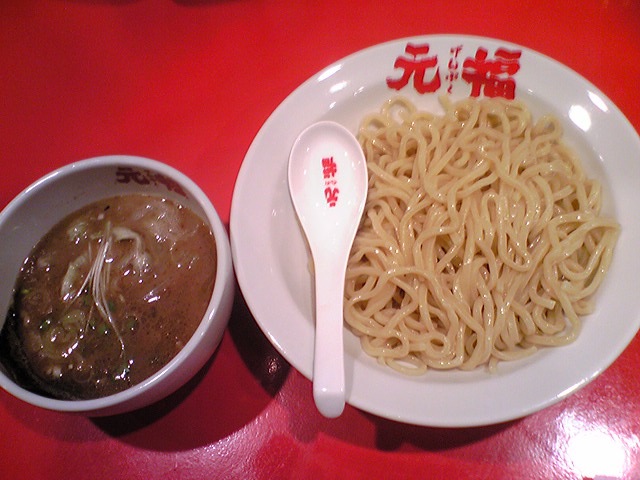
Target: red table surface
{"x": 189, "y": 83}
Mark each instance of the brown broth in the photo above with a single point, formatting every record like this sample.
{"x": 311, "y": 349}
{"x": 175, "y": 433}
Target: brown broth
{"x": 146, "y": 262}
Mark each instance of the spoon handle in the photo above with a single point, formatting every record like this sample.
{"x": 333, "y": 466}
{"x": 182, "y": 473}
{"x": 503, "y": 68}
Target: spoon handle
{"x": 328, "y": 365}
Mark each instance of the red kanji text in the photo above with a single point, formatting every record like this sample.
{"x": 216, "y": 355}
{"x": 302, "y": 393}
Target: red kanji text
{"x": 416, "y": 64}
{"x": 329, "y": 171}
{"x": 492, "y": 77}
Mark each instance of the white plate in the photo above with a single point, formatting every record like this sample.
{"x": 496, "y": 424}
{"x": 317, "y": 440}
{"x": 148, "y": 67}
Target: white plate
{"x": 271, "y": 257}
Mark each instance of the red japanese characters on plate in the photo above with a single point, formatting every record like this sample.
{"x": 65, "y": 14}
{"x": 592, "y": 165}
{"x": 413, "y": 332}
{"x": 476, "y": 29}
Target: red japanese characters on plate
{"x": 488, "y": 73}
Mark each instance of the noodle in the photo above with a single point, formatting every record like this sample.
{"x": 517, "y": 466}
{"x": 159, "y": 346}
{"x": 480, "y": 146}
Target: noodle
{"x": 481, "y": 238}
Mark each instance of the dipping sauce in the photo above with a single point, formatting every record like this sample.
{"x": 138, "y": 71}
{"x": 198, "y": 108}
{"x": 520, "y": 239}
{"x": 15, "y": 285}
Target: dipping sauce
{"x": 108, "y": 297}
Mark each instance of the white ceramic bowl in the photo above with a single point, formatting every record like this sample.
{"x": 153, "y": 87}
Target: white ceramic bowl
{"x": 271, "y": 256}
{"x": 47, "y": 201}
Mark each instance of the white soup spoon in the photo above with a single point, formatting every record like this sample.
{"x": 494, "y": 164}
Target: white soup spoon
{"x": 328, "y": 186}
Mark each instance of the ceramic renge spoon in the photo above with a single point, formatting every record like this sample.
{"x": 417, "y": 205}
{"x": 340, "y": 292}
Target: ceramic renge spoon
{"x": 328, "y": 185}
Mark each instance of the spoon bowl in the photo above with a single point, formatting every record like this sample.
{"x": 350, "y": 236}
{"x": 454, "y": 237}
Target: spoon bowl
{"x": 328, "y": 183}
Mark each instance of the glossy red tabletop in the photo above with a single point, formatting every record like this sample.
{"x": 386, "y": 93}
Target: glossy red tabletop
{"x": 190, "y": 83}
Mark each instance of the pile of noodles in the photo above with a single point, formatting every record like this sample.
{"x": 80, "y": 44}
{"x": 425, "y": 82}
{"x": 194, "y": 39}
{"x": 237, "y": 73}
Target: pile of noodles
{"x": 481, "y": 239}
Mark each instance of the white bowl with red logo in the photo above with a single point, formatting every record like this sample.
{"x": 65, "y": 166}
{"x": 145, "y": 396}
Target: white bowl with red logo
{"x": 26, "y": 219}
{"x": 271, "y": 258}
